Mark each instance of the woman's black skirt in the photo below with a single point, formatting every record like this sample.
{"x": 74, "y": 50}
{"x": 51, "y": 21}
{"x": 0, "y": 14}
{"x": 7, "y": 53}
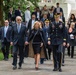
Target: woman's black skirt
{"x": 36, "y": 48}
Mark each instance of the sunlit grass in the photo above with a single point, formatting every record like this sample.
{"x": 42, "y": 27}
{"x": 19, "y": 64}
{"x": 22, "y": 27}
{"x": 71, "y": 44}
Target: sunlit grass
{"x": 1, "y": 56}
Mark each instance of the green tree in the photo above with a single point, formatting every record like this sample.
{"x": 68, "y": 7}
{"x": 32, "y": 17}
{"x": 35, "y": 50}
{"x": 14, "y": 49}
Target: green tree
{"x": 1, "y": 12}
{"x": 6, "y": 4}
{"x": 34, "y": 2}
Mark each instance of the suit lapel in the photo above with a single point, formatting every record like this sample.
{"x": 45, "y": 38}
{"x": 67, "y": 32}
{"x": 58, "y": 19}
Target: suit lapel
{"x": 31, "y": 25}
{"x": 8, "y": 30}
{"x": 3, "y": 31}
{"x": 16, "y": 28}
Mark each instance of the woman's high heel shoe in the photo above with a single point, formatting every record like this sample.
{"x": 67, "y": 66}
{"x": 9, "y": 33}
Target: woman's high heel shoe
{"x": 36, "y": 68}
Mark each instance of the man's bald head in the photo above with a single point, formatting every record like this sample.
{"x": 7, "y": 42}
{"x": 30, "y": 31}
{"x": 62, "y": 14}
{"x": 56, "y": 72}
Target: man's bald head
{"x": 6, "y": 22}
{"x": 18, "y": 19}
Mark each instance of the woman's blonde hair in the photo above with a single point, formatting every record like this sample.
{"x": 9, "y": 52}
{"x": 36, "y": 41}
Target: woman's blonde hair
{"x": 71, "y": 27}
{"x": 38, "y": 24}
{"x": 72, "y": 24}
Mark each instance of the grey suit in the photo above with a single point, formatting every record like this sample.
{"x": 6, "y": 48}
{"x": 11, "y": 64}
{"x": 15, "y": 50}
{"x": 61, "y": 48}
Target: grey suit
{"x": 18, "y": 40}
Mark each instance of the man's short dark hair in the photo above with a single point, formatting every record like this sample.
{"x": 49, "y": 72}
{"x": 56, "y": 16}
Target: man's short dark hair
{"x": 19, "y": 7}
{"x": 57, "y": 3}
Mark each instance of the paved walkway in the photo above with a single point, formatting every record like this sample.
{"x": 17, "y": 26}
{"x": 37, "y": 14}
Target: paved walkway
{"x": 45, "y": 69}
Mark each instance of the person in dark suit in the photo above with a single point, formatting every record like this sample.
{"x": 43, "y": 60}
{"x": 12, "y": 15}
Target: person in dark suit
{"x": 46, "y": 29}
{"x": 18, "y": 40}
{"x": 37, "y": 13}
{"x": 38, "y": 41}
{"x": 51, "y": 15}
{"x": 44, "y": 17}
{"x": 57, "y": 38}
{"x": 62, "y": 18}
{"x": 31, "y": 22}
{"x": 17, "y": 12}
{"x": 5, "y": 39}
{"x": 58, "y": 9}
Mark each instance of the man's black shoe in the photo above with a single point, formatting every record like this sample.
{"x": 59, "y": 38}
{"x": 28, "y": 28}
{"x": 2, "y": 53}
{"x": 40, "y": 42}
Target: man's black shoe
{"x": 60, "y": 70}
{"x": 19, "y": 67}
{"x": 14, "y": 67}
{"x": 55, "y": 69}
{"x": 63, "y": 64}
{"x": 6, "y": 59}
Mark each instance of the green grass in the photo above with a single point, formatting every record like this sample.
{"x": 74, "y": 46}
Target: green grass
{"x": 1, "y": 56}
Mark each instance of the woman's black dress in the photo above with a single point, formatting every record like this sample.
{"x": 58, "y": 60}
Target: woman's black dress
{"x": 37, "y": 42}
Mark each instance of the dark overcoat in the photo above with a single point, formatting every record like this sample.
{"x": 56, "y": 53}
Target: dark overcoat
{"x": 31, "y": 38}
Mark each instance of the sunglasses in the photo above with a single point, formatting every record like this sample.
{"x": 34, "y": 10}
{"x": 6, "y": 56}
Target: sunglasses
{"x": 19, "y": 20}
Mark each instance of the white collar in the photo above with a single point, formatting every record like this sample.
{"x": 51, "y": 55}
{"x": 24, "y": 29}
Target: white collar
{"x": 19, "y": 24}
{"x": 57, "y": 21}
{"x": 33, "y": 20}
{"x": 6, "y": 26}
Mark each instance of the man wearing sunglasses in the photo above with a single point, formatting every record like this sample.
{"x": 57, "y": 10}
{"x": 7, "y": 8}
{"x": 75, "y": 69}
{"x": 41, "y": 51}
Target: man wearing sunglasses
{"x": 18, "y": 40}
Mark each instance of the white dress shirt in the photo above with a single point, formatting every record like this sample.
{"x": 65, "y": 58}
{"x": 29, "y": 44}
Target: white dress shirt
{"x": 51, "y": 15}
{"x": 58, "y": 10}
{"x": 33, "y": 21}
{"x": 38, "y": 15}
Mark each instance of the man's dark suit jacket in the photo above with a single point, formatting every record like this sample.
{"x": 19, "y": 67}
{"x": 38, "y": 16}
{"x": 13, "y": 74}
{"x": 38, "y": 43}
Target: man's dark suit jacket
{"x": 61, "y": 10}
{"x": 17, "y": 13}
{"x": 8, "y": 34}
{"x": 19, "y": 38}
{"x": 30, "y": 24}
{"x": 36, "y": 15}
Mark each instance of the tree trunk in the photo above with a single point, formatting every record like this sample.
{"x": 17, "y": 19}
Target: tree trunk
{"x": 1, "y": 13}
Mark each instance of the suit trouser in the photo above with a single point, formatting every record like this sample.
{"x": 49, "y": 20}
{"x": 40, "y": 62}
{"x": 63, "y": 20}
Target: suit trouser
{"x": 26, "y": 49}
{"x": 72, "y": 51}
{"x": 17, "y": 48}
{"x": 5, "y": 48}
{"x": 63, "y": 54}
{"x": 49, "y": 51}
{"x": 57, "y": 55}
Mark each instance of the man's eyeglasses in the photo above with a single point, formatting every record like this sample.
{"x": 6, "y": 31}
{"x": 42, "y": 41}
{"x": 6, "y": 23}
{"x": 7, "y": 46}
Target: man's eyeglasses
{"x": 19, "y": 20}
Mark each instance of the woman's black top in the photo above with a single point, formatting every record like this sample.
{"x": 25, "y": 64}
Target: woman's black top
{"x": 37, "y": 38}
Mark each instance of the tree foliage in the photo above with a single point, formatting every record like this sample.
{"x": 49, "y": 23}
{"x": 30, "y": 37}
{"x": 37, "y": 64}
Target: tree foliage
{"x": 34, "y": 2}
{"x": 6, "y": 4}
{"x": 1, "y": 12}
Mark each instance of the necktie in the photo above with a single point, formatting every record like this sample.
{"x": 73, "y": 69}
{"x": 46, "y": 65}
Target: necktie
{"x": 18, "y": 28}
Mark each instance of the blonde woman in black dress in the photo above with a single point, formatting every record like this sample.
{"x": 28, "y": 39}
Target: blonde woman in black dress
{"x": 38, "y": 41}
